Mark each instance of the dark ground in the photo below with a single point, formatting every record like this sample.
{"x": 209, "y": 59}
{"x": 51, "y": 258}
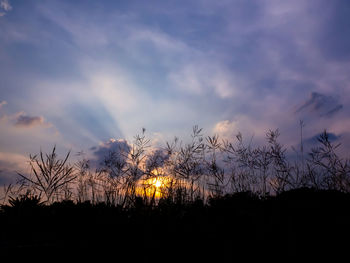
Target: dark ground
{"x": 240, "y": 225}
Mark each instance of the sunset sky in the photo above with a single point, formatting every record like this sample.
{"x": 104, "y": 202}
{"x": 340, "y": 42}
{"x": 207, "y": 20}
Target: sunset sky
{"x": 78, "y": 73}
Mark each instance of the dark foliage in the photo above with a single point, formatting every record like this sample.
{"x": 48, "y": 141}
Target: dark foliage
{"x": 242, "y": 224}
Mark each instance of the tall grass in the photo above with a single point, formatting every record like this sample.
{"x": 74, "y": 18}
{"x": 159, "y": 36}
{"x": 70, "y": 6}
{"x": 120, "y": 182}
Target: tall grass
{"x": 178, "y": 172}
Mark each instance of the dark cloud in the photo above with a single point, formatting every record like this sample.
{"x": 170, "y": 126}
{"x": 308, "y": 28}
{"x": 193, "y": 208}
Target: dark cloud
{"x": 312, "y": 141}
{"x": 117, "y": 148}
{"x": 157, "y": 159}
{"x": 26, "y": 121}
{"x": 333, "y": 111}
{"x": 323, "y": 105}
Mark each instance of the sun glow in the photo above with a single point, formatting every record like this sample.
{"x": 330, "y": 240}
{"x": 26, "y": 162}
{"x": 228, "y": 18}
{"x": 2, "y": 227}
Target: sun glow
{"x": 154, "y": 186}
{"x": 157, "y": 184}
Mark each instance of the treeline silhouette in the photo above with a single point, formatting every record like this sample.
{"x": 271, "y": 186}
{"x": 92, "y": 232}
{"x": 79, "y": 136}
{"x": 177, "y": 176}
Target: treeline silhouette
{"x": 209, "y": 198}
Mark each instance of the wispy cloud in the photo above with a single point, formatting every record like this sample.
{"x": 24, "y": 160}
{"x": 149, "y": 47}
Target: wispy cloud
{"x": 202, "y": 77}
{"x": 5, "y": 4}
{"x": 321, "y": 104}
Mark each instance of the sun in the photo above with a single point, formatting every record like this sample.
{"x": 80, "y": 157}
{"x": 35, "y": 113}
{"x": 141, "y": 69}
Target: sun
{"x": 157, "y": 183}
{"x": 154, "y": 186}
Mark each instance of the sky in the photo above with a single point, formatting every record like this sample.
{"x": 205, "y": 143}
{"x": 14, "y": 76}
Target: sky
{"x": 77, "y": 74}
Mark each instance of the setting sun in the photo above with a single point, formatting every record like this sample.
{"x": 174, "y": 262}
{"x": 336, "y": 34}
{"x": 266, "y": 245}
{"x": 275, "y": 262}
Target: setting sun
{"x": 157, "y": 183}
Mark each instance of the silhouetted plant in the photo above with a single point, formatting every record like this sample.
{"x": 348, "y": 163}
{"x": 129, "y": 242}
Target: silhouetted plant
{"x": 115, "y": 169}
{"x": 241, "y": 161}
{"x": 232, "y": 193}
{"x": 324, "y": 163}
{"x": 7, "y": 191}
{"x": 281, "y": 177}
{"x": 201, "y": 168}
{"x": 123, "y": 169}
{"x": 135, "y": 164}
{"x": 25, "y": 201}
{"x": 51, "y": 175}
{"x": 217, "y": 181}
{"x": 187, "y": 163}
{"x": 87, "y": 182}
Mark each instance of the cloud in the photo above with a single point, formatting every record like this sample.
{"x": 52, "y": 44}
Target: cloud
{"x": 25, "y": 140}
{"x": 333, "y": 111}
{"x": 5, "y": 4}
{"x": 160, "y": 40}
{"x": 225, "y": 128}
{"x": 249, "y": 127}
{"x": 203, "y": 77}
{"x": 314, "y": 139}
{"x": 156, "y": 159}
{"x": 323, "y": 105}
{"x": 341, "y": 139}
{"x": 118, "y": 148}
{"x": 23, "y": 120}
{"x": 27, "y": 121}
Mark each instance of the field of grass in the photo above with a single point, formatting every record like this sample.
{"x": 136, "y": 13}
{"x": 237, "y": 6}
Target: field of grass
{"x": 207, "y": 199}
